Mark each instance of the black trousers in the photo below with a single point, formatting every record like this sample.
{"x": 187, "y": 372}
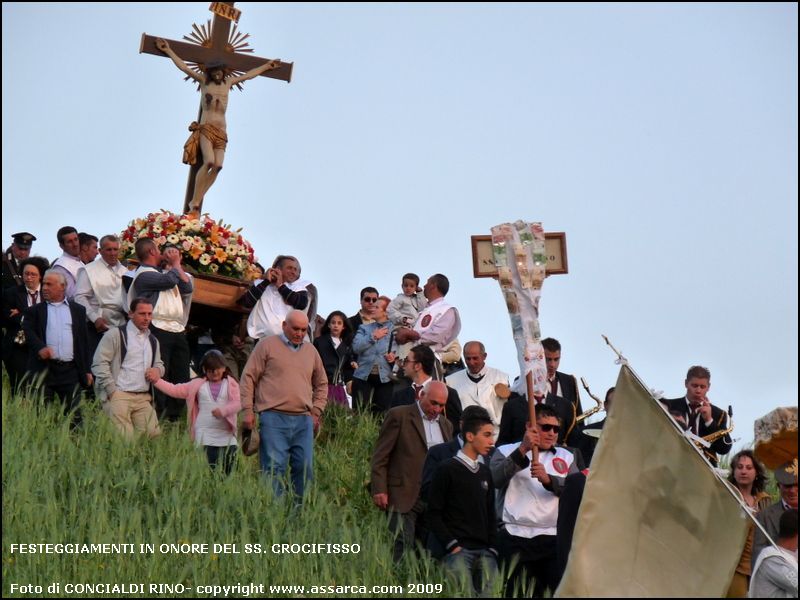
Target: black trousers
{"x": 176, "y": 357}
{"x": 224, "y": 455}
{"x": 15, "y": 360}
{"x": 536, "y": 559}
{"x": 62, "y": 380}
{"x": 372, "y": 394}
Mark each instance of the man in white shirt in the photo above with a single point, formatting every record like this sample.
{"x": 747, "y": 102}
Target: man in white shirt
{"x": 529, "y": 477}
{"x": 55, "y": 331}
{"x": 476, "y": 384}
{"x": 69, "y": 263}
{"x": 274, "y": 297}
{"x": 99, "y": 291}
{"x": 126, "y": 363}
{"x": 87, "y": 244}
{"x": 169, "y": 290}
{"x": 438, "y": 324}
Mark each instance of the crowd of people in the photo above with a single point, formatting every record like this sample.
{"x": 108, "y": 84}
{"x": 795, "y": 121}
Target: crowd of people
{"x": 459, "y": 466}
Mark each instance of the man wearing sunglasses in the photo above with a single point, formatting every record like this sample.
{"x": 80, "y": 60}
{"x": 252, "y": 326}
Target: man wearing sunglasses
{"x": 369, "y": 299}
{"x": 528, "y": 485}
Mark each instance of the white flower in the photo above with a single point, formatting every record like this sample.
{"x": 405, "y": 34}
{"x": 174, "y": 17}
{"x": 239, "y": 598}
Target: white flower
{"x": 213, "y": 268}
{"x": 205, "y": 259}
{"x": 173, "y": 238}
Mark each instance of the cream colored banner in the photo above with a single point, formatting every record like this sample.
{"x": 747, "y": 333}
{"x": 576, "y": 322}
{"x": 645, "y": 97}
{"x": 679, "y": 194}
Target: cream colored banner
{"x": 655, "y": 520}
{"x": 519, "y": 254}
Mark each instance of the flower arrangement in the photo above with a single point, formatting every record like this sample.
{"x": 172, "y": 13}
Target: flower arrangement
{"x": 208, "y": 246}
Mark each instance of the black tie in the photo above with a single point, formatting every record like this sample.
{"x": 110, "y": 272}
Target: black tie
{"x": 475, "y": 379}
{"x": 417, "y": 390}
{"x": 693, "y": 412}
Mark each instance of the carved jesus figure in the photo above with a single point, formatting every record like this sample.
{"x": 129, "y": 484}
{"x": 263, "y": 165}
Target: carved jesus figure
{"x": 210, "y": 135}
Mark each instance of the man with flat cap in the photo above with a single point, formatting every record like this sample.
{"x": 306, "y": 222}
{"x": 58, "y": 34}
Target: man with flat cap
{"x": 18, "y": 251}
{"x": 770, "y": 517}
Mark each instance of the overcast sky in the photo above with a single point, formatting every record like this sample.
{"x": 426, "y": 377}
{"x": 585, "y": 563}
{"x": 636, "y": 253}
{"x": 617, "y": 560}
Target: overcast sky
{"x": 661, "y": 138}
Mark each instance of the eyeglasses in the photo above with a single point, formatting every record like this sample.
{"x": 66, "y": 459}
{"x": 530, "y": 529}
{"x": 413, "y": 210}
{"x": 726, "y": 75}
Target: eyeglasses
{"x": 547, "y": 427}
{"x": 369, "y": 299}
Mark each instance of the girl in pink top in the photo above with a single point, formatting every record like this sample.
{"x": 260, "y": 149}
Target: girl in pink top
{"x": 213, "y": 403}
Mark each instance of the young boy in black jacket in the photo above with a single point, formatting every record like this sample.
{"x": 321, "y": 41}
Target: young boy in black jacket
{"x": 461, "y": 508}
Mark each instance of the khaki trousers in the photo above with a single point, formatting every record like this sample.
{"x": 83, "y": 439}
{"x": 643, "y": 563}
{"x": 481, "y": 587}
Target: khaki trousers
{"x": 132, "y": 412}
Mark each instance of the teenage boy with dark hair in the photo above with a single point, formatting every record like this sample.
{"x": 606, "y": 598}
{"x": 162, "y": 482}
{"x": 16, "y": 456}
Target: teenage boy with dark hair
{"x": 461, "y": 507}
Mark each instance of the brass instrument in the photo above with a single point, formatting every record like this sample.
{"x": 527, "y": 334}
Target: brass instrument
{"x": 591, "y": 411}
{"x": 713, "y": 437}
{"x": 576, "y": 418}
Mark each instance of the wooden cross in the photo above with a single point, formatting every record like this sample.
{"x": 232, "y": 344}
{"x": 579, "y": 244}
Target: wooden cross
{"x": 215, "y": 46}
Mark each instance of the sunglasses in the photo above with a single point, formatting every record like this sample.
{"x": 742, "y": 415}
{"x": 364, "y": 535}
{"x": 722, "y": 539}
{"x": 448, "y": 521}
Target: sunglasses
{"x": 547, "y": 427}
{"x": 368, "y": 299}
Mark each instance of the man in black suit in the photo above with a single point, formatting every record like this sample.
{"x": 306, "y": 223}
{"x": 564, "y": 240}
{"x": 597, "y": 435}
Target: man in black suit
{"x": 702, "y": 417}
{"x": 18, "y": 251}
{"x": 418, "y": 367}
{"x": 55, "y": 331}
{"x": 560, "y": 384}
{"x": 786, "y": 476}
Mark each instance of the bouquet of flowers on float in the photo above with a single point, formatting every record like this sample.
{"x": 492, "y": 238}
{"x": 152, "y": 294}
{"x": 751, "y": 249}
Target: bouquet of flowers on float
{"x": 208, "y": 246}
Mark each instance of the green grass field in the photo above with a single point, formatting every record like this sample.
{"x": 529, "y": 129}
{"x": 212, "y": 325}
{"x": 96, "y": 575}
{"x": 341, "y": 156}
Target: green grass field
{"x": 89, "y": 486}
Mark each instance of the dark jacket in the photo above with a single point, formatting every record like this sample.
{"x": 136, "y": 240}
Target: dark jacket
{"x": 35, "y": 326}
{"x": 399, "y": 455}
{"x": 452, "y": 410}
{"x": 719, "y": 420}
{"x": 335, "y": 360}
{"x": 569, "y": 390}
{"x": 515, "y": 415}
{"x": 436, "y": 456}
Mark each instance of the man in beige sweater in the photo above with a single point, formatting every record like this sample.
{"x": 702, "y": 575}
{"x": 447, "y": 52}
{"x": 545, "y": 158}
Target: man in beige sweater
{"x": 284, "y": 382}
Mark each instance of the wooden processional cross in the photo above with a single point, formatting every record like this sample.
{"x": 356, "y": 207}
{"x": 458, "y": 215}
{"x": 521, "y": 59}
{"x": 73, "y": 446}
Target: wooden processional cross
{"x": 216, "y": 42}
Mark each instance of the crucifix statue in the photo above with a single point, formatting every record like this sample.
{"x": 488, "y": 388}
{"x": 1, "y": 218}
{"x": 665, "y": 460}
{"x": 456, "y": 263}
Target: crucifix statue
{"x": 213, "y": 58}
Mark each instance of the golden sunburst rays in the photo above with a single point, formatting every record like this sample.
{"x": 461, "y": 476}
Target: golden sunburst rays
{"x": 237, "y": 42}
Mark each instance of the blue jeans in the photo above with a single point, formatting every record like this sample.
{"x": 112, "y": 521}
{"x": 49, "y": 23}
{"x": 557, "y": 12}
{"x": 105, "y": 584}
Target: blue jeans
{"x": 286, "y": 441}
{"x": 479, "y": 566}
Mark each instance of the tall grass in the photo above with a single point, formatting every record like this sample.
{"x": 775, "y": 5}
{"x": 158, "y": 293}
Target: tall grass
{"x": 90, "y": 486}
